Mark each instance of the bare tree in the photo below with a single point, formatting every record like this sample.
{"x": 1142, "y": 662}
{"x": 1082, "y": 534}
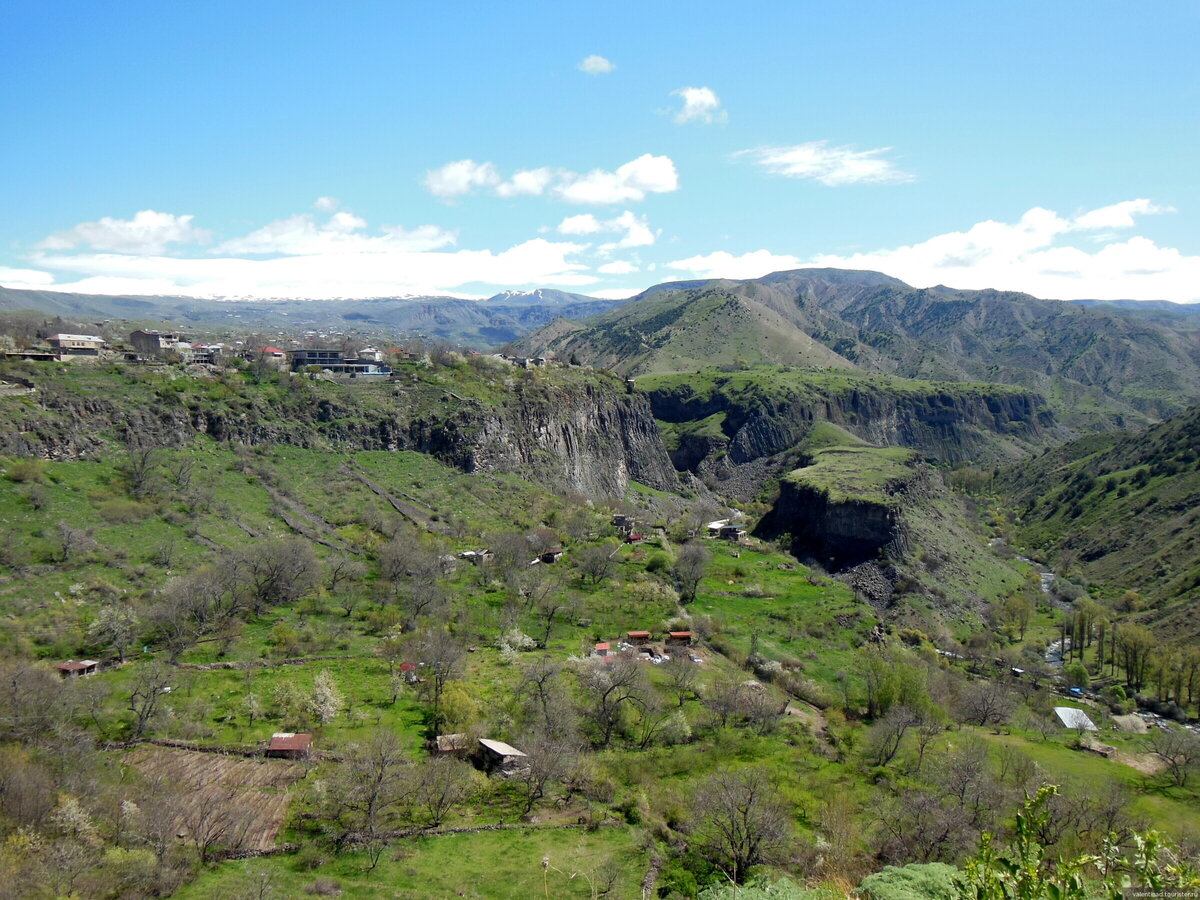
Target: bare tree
{"x": 369, "y": 784}
{"x": 1179, "y": 751}
{"x": 740, "y": 822}
{"x": 146, "y": 692}
{"x": 689, "y": 568}
{"x": 437, "y": 786}
{"x": 611, "y": 688}
{"x": 987, "y": 703}
{"x": 73, "y": 541}
{"x": 342, "y": 567}
{"x": 213, "y": 818}
{"x": 277, "y": 572}
{"x": 139, "y": 468}
{"x": 886, "y": 735}
{"x": 440, "y": 656}
{"x": 595, "y": 562}
{"x": 683, "y": 674}
{"x": 548, "y": 759}
{"x": 114, "y": 626}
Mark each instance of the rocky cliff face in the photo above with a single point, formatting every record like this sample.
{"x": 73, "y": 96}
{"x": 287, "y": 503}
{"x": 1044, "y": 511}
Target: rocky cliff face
{"x": 591, "y": 438}
{"x": 838, "y": 535}
{"x": 961, "y": 426}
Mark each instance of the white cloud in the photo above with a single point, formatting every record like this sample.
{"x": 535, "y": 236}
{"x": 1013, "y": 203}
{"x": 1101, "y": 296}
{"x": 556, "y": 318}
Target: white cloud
{"x": 700, "y": 104}
{"x": 631, "y": 182}
{"x": 306, "y": 256}
{"x": 584, "y": 223}
{"x": 619, "y": 267}
{"x": 1029, "y": 255}
{"x": 322, "y": 274}
{"x": 595, "y": 65}
{"x": 325, "y": 204}
{"x": 635, "y": 230}
{"x": 1032, "y": 255}
{"x": 831, "y": 166}
{"x": 530, "y": 182}
{"x": 27, "y": 279}
{"x": 1118, "y": 215}
{"x": 461, "y": 177}
{"x": 722, "y": 264}
{"x": 147, "y": 232}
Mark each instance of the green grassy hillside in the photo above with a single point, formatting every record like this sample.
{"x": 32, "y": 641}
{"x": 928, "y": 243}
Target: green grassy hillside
{"x": 1121, "y": 511}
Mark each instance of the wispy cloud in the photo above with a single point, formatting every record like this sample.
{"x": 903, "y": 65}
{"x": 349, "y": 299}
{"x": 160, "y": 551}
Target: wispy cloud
{"x": 628, "y": 183}
{"x": 700, "y": 104}
{"x": 832, "y": 166}
{"x": 595, "y": 65}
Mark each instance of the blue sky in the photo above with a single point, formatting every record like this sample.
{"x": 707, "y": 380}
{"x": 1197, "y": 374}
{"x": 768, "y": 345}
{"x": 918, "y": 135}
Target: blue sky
{"x": 363, "y": 149}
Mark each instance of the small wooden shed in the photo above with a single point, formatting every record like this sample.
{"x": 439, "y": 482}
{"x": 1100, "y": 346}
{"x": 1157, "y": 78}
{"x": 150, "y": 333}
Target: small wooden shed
{"x": 288, "y": 745}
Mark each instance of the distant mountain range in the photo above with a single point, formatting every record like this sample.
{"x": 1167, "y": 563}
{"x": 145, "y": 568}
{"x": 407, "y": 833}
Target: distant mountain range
{"x": 1101, "y": 365}
{"x": 478, "y": 323}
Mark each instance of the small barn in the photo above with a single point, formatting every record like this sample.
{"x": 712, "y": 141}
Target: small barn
{"x": 679, "y": 638}
{"x": 638, "y": 637}
{"x": 603, "y": 648}
{"x": 497, "y": 756}
{"x": 1075, "y": 719}
{"x": 553, "y": 555}
{"x": 453, "y": 745}
{"x": 77, "y": 668}
{"x": 288, "y": 745}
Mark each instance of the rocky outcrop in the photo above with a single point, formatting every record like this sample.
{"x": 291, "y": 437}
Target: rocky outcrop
{"x": 968, "y": 425}
{"x": 946, "y": 426}
{"x": 837, "y": 534}
{"x": 588, "y": 437}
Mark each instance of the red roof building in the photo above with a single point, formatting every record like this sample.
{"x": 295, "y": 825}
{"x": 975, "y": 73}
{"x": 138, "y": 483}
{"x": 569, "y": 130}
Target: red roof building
{"x": 286, "y": 745}
{"x": 75, "y": 668}
{"x": 638, "y": 635}
{"x": 679, "y": 637}
{"x": 602, "y": 648}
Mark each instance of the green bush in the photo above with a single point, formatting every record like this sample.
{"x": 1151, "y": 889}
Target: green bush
{"x": 919, "y": 881}
{"x": 25, "y": 470}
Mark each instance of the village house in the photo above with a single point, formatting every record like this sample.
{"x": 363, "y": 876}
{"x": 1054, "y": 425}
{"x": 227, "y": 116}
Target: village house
{"x": 334, "y": 361}
{"x": 623, "y": 523}
{"x": 287, "y": 745}
{"x": 497, "y": 756}
{"x": 679, "y": 638}
{"x": 77, "y": 346}
{"x": 603, "y": 648}
{"x": 637, "y": 638}
{"x": 477, "y": 557}
{"x": 150, "y": 342}
{"x": 271, "y": 355}
{"x": 734, "y": 533}
{"x": 77, "y": 668}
